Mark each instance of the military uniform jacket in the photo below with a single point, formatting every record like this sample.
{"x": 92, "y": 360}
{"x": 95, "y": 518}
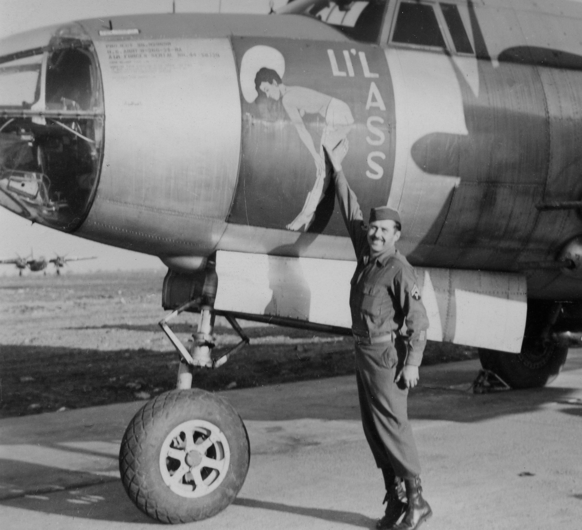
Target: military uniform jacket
{"x": 384, "y": 296}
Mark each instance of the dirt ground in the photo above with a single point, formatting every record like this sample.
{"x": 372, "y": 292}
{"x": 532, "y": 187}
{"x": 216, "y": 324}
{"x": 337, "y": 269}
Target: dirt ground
{"x": 80, "y": 340}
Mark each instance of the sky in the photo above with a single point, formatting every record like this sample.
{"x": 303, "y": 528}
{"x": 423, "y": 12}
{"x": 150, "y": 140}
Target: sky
{"x": 20, "y": 237}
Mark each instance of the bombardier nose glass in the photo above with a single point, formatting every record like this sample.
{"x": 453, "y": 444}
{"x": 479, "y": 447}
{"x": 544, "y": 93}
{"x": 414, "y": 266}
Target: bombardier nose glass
{"x": 51, "y": 127}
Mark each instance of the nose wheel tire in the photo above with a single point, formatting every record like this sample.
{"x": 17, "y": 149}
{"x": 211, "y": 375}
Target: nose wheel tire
{"x": 184, "y": 456}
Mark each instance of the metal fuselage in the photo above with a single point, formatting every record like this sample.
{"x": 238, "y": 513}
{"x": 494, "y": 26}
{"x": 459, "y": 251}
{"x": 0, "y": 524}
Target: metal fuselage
{"x": 38, "y": 264}
{"x": 177, "y": 155}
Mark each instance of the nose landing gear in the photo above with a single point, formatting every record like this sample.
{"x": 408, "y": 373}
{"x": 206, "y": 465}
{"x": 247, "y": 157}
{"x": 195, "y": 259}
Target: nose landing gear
{"x": 185, "y": 455}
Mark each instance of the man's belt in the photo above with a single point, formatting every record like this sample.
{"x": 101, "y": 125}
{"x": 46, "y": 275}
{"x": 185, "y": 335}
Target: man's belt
{"x": 364, "y": 337}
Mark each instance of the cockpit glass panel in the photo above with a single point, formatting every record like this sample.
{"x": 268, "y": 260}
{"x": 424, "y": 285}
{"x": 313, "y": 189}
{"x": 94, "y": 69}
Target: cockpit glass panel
{"x": 359, "y": 20}
{"x": 51, "y": 127}
{"x": 456, "y": 28}
{"x": 417, "y": 24}
{"x": 19, "y": 81}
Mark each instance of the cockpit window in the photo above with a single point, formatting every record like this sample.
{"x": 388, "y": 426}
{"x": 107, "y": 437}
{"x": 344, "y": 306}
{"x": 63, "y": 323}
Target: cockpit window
{"x": 456, "y": 28}
{"x": 69, "y": 80}
{"x": 51, "y": 127}
{"x": 19, "y": 82}
{"x": 417, "y": 24}
{"x": 359, "y": 20}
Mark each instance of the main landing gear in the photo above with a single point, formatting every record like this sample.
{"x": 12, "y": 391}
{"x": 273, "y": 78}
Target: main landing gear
{"x": 550, "y": 331}
{"x": 185, "y": 455}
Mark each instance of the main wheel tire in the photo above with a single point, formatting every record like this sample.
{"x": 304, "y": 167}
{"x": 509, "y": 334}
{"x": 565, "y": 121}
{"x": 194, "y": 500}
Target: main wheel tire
{"x": 184, "y": 456}
{"x": 538, "y": 364}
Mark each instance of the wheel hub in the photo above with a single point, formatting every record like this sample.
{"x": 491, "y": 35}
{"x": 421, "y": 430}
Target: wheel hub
{"x": 193, "y": 458}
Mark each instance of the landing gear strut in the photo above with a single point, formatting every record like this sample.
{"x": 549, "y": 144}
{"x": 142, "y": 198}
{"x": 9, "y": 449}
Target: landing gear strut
{"x": 185, "y": 455}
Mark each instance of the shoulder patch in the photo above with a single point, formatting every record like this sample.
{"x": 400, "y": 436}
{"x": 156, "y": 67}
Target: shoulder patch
{"x": 415, "y": 292}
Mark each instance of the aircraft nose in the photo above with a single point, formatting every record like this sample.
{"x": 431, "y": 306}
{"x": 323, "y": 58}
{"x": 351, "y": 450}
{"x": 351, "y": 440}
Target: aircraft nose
{"x": 51, "y": 125}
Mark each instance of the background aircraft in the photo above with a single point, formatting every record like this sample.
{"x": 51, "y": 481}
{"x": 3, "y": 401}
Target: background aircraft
{"x": 20, "y": 263}
{"x": 60, "y": 261}
{"x": 40, "y": 263}
{"x": 198, "y": 139}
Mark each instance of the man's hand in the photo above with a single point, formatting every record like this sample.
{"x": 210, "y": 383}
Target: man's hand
{"x": 337, "y": 167}
{"x": 319, "y": 165}
{"x": 409, "y": 375}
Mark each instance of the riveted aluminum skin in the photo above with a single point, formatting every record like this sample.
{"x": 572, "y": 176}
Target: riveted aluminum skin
{"x": 172, "y": 142}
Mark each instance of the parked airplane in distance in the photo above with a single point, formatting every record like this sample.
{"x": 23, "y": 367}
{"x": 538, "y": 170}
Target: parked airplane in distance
{"x": 41, "y": 263}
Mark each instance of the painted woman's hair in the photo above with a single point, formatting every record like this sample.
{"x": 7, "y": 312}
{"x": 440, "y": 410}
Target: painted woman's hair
{"x": 266, "y": 75}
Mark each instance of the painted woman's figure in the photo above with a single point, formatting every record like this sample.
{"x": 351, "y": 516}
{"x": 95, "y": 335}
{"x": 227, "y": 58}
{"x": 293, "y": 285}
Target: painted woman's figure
{"x": 298, "y": 101}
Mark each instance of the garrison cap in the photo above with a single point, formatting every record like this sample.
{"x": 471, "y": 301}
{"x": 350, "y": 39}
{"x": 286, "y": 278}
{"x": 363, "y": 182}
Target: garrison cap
{"x": 383, "y": 213}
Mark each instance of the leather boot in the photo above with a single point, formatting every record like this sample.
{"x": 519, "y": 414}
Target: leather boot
{"x": 418, "y": 510}
{"x": 395, "y": 507}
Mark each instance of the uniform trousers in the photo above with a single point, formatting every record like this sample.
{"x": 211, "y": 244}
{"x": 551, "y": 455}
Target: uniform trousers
{"x": 384, "y": 408}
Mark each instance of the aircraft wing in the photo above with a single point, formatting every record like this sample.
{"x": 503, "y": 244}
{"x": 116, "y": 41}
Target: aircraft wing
{"x": 65, "y": 260}
{"x": 80, "y": 259}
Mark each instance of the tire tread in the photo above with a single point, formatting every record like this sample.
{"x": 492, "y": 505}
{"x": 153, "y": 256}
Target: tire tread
{"x": 148, "y": 421}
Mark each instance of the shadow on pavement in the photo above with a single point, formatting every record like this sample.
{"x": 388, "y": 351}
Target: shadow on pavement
{"x": 106, "y": 501}
{"x": 333, "y": 516}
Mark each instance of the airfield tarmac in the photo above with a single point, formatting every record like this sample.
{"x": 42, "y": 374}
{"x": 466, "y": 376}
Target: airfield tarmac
{"x": 504, "y": 460}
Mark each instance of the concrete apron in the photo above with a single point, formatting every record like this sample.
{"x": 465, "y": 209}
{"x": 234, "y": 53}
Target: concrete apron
{"x": 501, "y": 460}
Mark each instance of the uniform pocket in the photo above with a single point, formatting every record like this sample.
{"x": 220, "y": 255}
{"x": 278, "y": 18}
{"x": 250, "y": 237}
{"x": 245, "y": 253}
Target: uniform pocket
{"x": 389, "y": 357}
{"x": 371, "y": 300}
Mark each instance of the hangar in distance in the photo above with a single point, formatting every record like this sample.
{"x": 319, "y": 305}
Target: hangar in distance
{"x": 199, "y": 139}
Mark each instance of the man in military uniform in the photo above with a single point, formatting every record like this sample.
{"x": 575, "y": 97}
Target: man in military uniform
{"x": 389, "y": 325}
